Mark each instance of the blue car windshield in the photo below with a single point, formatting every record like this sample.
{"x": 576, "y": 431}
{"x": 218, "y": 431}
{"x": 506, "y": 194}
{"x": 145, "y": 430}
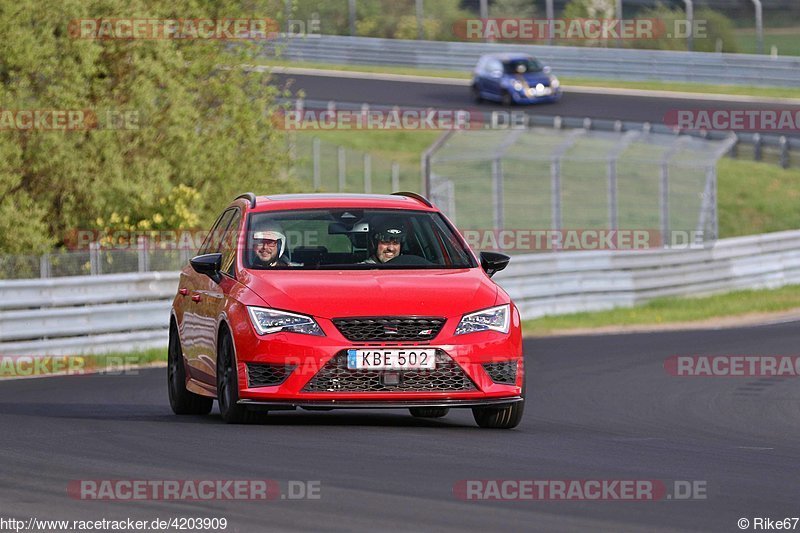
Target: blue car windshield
{"x": 522, "y": 66}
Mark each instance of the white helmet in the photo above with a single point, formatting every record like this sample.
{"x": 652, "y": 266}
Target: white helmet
{"x": 272, "y": 230}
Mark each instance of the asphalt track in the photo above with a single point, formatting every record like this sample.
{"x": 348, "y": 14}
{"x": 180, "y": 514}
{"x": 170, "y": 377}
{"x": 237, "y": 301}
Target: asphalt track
{"x": 416, "y": 94}
{"x": 599, "y": 407}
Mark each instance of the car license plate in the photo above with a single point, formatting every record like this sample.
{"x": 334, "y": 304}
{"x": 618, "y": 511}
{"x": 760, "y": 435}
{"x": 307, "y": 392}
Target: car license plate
{"x": 391, "y": 359}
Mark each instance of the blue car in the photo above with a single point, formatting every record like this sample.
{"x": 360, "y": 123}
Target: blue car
{"x": 514, "y": 79}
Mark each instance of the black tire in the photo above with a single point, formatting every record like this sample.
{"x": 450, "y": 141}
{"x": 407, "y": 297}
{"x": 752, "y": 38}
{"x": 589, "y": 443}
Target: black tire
{"x": 228, "y": 385}
{"x": 476, "y": 94}
{"x": 504, "y": 417}
{"x": 507, "y": 101}
{"x": 181, "y": 400}
{"x": 429, "y": 412}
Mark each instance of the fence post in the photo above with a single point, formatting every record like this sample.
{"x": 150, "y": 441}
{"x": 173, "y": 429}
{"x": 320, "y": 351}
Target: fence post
{"x": 555, "y": 193}
{"x": 757, "y": 147}
{"x": 94, "y": 258}
{"x": 395, "y": 176}
{"x": 367, "y": 173}
{"x": 316, "y": 179}
{"x": 342, "y": 167}
{"x": 664, "y": 202}
{"x": 144, "y": 254}
{"x": 44, "y": 266}
{"x": 784, "y": 152}
{"x": 497, "y": 193}
{"x": 612, "y": 194}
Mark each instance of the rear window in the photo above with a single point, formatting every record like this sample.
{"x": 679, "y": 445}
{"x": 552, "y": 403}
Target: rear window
{"x": 349, "y": 239}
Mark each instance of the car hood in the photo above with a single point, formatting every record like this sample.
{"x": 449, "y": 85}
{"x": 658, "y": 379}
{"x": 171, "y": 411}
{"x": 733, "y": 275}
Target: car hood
{"x": 339, "y": 293}
{"x": 533, "y": 78}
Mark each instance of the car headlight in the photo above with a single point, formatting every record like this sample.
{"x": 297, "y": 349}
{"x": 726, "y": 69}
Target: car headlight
{"x": 272, "y": 321}
{"x": 494, "y": 318}
{"x": 517, "y": 86}
{"x": 554, "y": 83}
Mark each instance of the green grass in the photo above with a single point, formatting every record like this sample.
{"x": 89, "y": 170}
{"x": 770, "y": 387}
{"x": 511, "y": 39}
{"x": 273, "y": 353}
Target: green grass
{"x": 670, "y": 310}
{"x": 785, "y": 39}
{"x": 567, "y": 81}
{"x": 756, "y": 198}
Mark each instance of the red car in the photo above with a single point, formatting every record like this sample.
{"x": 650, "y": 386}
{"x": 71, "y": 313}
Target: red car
{"x": 325, "y": 301}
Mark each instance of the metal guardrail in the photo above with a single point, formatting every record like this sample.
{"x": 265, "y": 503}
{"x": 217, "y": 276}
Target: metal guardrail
{"x": 604, "y": 63}
{"x": 122, "y": 312}
{"x": 86, "y": 314}
{"x": 568, "y": 282}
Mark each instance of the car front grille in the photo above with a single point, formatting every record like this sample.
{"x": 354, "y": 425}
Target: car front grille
{"x": 389, "y": 328}
{"x": 504, "y": 372}
{"x": 267, "y": 375}
{"x": 336, "y": 377}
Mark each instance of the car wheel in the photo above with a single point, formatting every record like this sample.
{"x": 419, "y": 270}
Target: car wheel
{"x": 476, "y": 94}
{"x": 181, "y": 400}
{"x": 505, "y": 417}
{"x": 228, "y": 386}
{"x": 429, "y": 412}
{"x": 507, "y": 100}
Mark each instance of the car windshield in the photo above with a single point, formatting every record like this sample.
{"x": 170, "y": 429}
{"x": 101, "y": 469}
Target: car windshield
{"x": 522, "y": 66}
{"x": 353, "y": 239}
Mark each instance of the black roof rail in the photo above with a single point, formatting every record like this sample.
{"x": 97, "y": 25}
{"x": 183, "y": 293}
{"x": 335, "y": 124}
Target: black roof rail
{"x": 415, "y": 196}
{"x": 248, "y": 196}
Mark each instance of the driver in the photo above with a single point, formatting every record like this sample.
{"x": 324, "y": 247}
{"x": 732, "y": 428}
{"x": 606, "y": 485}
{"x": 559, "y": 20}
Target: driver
{"x": 386, "y": 243}
{"x": 269, "y": 244}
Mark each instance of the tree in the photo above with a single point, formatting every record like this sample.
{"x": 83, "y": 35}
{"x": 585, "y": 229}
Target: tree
{"x": 202, "y": 128}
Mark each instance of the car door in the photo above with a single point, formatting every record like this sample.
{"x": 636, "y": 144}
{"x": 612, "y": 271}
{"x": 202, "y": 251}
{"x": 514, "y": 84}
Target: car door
{"x": 211, "y": 298}
{"x": 193, "y": 327}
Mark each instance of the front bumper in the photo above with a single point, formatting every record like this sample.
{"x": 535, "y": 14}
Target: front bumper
{"x": 520, "y": 98}
{"x": 307, "y": 356}
{"x": 356, "y": 404}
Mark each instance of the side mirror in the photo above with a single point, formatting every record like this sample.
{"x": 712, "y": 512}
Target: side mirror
{"x": 493, "y": 262}
{"x": 496, "y": 73}
{"x": 546, "y": 70}
{"x": 208, "y": 264}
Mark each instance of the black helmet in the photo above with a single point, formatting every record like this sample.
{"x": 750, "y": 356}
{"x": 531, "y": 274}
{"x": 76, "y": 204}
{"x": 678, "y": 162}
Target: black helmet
{"x": 388, "y": 231}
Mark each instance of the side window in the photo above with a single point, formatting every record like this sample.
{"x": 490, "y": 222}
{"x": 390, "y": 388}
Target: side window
{"x": 228, "y": 246}
{"x": 212, "y": 243}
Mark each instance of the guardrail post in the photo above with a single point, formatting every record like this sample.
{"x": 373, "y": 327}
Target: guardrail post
{"x": 367, "y": 173}
{"x": 316, "y": 179}
{"x": 395, "y": 176}
{"x": 342, "y": 167}
{"x": 757, "y": 147}
{"x": 784, "y": 152}
{"x": 587, "y": 123}
{"x": 351, "y": 10}
{"x": 420, "y": 21}
{"x": 497, "y": 193}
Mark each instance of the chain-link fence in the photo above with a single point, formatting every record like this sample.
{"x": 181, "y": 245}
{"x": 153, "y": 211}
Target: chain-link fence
{"x": 322, "y": 166}
{"x": 577, "y": 180}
